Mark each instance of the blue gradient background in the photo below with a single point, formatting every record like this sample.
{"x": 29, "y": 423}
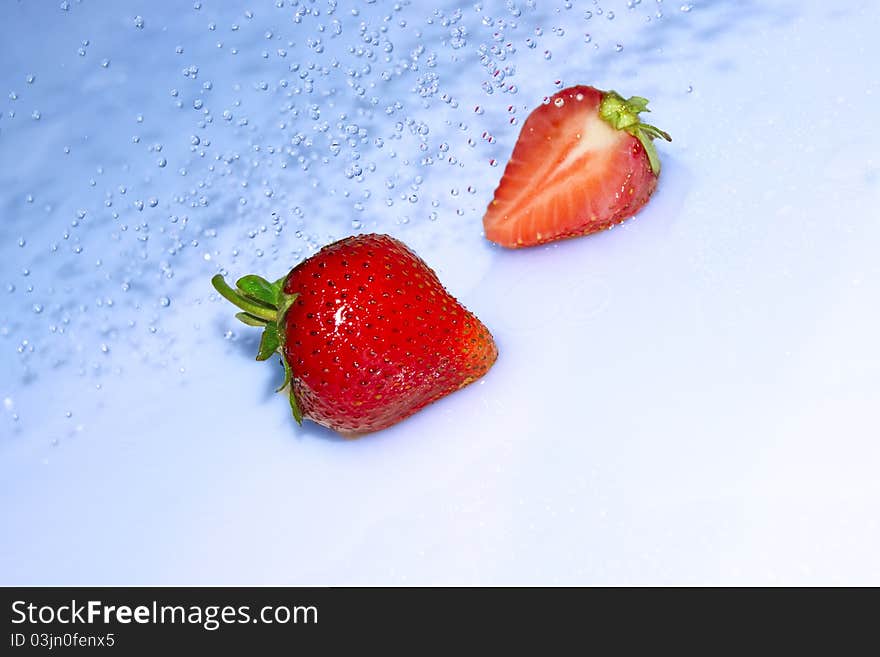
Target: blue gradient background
{"x": 689, "y": 398}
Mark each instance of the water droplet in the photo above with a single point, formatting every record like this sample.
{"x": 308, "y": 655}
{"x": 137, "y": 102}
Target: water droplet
{"x": 164, "y": 302}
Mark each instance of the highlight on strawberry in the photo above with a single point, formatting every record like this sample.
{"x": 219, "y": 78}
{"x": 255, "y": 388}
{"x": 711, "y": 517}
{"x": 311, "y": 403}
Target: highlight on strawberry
{"x": 583, "y": 162}
{"x": 366, "y": 332}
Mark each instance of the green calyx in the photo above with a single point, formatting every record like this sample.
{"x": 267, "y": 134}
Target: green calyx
{"x": 265, "y": 305}
{"x": 623, "y": 114}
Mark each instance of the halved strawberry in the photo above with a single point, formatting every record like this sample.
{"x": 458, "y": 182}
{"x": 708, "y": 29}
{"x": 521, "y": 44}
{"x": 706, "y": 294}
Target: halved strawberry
{"x": 583, "y": 162}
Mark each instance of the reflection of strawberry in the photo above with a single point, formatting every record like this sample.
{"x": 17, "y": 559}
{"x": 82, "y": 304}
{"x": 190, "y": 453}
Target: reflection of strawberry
{"x": 583, "y": 162}
{"x": 366, "y": 332}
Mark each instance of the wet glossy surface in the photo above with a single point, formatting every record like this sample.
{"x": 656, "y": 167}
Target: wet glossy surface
{"x": 690, "y": 397}
{"x": 373, "y": 336}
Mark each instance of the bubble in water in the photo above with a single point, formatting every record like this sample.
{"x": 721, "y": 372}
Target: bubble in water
{"x": 164, "y": 302}
{"x": 139, "y": 22}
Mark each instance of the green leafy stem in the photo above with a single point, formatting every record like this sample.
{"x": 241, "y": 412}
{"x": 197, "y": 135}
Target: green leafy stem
{"x": 264, "y": 305}
{"x": 623, "y": 114}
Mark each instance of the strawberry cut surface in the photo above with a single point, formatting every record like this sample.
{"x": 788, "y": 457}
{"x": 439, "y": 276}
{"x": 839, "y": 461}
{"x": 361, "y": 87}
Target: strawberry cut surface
{"x": 582, "y": 163}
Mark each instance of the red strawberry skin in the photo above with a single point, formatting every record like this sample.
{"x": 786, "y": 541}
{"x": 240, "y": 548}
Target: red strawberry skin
{"x": 572, "y": 172}
{"x": 373, "y": 336}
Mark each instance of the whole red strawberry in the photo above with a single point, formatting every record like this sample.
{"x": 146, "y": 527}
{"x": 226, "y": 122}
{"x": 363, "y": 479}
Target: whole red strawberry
{"x": 583, "y": 162}
{"x": 366, "y": 332}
